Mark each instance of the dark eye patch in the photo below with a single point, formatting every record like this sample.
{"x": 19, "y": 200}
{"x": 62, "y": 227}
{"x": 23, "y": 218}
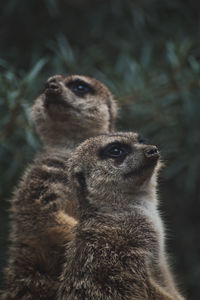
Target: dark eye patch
{"x": 80, "y": 87}
{"x": 115, "y": 150}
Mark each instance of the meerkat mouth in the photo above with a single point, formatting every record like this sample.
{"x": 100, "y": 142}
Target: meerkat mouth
{"x": 52, "y": 99}
{"x": 141, "y": 171}
{"x": 58, "y": 100}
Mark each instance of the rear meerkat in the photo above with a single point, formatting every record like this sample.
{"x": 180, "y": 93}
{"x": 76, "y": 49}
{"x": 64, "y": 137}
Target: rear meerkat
{"x": 69, "y": 110}
{"x": 118, "y": 249}
{"x": 72, "y": 109}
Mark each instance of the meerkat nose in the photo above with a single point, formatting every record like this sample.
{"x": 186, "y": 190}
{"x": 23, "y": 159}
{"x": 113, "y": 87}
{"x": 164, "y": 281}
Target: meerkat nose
{"x": 151, "y": 151}
{"x": 51, "y": 86}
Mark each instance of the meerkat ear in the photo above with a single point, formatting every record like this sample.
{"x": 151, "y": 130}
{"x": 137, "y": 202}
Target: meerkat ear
{"x": 80, "y": 177}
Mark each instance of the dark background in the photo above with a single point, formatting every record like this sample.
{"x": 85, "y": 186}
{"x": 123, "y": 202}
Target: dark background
{"x": 148, "y": 53}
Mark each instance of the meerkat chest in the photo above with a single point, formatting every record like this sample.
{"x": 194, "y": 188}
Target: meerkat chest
{"x": 151, "y": 212}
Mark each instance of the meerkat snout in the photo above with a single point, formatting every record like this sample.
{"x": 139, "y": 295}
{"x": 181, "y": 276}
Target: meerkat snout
{"x": 53, "y": 94}
{"x": 51, "y": 87}
{"x": 151, "y": 152}
{"x": 52, "y": 84}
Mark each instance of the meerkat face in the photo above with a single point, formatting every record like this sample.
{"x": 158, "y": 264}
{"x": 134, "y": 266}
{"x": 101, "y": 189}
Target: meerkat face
{"x": 76, "y": 105}
{"x": 108, "y": 165}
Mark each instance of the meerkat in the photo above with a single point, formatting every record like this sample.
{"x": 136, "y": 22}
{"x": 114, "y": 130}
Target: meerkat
{"x": 69, "y": 110}
{"x": 72, "y": 109}
{"x": 118, "y": 247}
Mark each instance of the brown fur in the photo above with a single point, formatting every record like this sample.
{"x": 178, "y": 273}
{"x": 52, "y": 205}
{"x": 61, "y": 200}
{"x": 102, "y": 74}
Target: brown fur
{"x": 43, "y": 213}
{"x": 118, "y": 248}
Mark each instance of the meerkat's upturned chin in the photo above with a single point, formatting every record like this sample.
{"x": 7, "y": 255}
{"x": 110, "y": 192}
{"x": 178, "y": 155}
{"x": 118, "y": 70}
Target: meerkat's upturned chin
{"x": 74, "y": 108}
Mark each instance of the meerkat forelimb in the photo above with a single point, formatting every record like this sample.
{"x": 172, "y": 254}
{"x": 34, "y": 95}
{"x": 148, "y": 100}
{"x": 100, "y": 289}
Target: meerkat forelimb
{"x": 69, "y": 110}
{"x": 119, "y": 240}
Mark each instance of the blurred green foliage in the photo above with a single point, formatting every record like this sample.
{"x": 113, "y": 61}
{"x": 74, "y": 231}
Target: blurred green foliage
{"x": 148, "y": 53}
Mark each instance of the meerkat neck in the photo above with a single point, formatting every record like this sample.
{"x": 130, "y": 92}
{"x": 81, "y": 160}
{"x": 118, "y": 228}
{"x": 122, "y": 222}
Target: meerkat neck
{"x": 64, "y": 145}
{"x": 62, "y": 141}
{"x": 121, "y": 201}
{"x": 64, "y": 138}
{"x": 146, "y": 198}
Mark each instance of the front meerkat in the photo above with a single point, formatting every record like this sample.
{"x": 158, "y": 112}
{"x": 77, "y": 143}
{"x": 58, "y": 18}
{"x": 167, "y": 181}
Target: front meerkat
{"x": 70, "y": 109}
{"x": 118, "y": 248}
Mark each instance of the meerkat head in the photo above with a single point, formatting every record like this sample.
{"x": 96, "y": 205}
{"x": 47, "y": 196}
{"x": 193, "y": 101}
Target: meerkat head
{"x": 114, "y": 170}
{"x": 73, "y": 107}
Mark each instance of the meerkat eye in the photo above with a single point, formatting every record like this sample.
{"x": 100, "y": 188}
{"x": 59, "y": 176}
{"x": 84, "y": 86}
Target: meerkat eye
{"x": 80, "y": 87}
{"x": 115, "y": 150}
